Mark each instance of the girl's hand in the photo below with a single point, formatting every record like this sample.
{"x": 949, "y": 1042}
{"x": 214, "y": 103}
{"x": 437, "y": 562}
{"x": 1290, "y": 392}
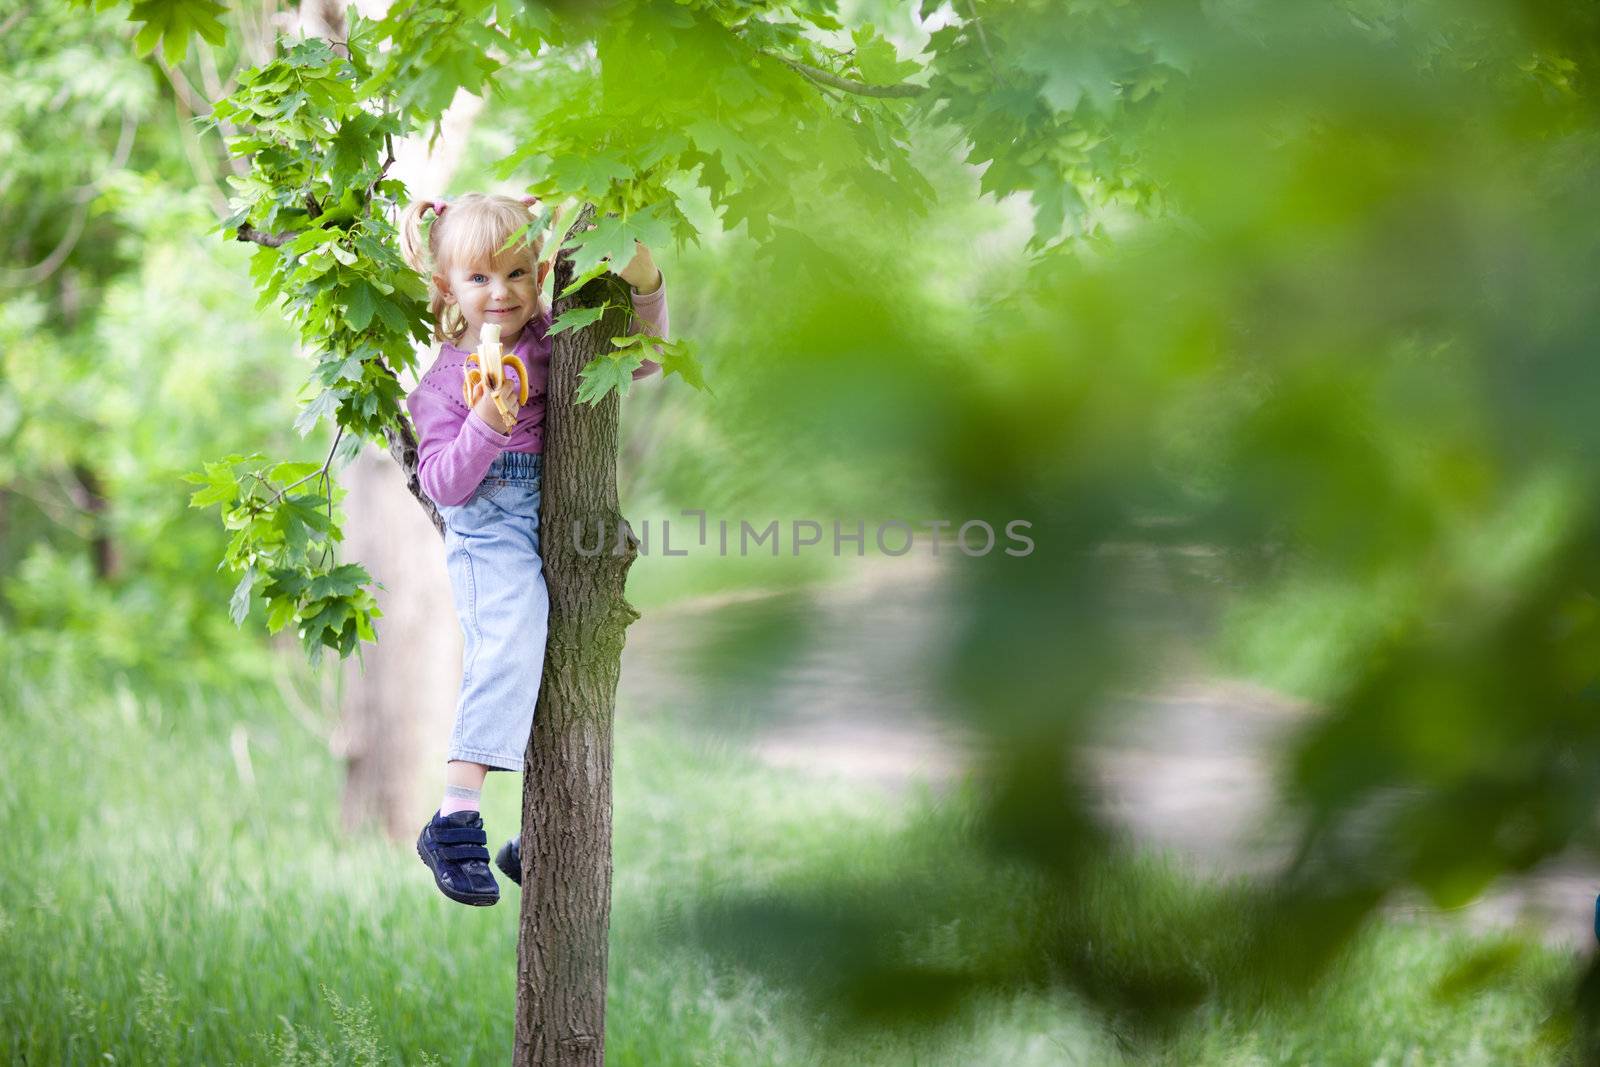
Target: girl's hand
{"x": 641, "y": 272}
{"x": 483, "y": 404}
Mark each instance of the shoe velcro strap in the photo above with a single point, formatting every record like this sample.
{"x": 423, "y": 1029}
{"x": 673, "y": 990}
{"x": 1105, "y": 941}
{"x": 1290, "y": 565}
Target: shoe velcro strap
{"x": 452, "y": 835}
{"x": 464, "y": 852}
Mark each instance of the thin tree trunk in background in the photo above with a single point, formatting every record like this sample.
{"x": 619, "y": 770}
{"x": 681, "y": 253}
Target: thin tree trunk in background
{"x": 325, "y": 19}
{"x": 566, "y": 791}
{"x": 85, "y": 487}
{"x": 90, "y": 497}
{"x": 398, "y": 696}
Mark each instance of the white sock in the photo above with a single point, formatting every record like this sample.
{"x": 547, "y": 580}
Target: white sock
{"x": 460, "y": 798}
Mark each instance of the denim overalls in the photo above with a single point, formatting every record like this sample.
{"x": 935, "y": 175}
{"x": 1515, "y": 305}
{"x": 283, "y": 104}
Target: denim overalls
{"x": 497, "y": 579}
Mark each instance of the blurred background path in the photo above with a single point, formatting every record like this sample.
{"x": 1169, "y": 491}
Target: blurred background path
{"x": 840, "y": 680}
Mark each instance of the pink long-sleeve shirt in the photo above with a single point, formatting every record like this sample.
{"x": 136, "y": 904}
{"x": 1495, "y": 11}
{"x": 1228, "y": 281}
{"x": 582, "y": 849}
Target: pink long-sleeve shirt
{"x": 455, "y": 447}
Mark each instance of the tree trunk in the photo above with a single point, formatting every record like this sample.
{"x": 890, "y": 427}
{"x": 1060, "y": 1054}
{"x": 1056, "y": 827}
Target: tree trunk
{"x": 566, "y": 792}
{"x": 90, "y": 497}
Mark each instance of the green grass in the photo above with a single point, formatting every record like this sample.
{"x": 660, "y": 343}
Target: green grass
{"x": 160, "y": 907}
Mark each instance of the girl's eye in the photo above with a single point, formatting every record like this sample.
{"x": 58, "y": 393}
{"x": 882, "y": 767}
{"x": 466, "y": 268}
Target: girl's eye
{"x": 475, "y": 277}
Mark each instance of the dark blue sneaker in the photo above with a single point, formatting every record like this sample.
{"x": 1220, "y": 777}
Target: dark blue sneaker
{"x": 452, "y": 847}
{"x": 509, "y": 859}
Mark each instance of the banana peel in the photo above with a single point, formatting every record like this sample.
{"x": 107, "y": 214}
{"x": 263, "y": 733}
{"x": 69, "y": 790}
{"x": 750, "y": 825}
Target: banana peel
{"x": 485, "y": 369}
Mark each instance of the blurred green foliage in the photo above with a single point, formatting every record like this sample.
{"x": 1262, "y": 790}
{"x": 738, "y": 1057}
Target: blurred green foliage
{"x": 122, "y": 359}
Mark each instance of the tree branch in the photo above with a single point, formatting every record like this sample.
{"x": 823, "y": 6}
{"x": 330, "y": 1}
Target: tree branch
{"x": 248, "y": 232}
{"x": 80, "y": 216}
{"x": 822, "y": 77}
{"x": 388, "y": 140}
{"x": 44, "y": 268}
{"x": 73, "y": 519}
{"x": 214, "y": 86}
{"x": 197, "y": 157}
{"x": 185, "y": 94}
{"x": 983, "y": 38}
{"x": 402, "y": 441}
{"x": 180, "y": 85}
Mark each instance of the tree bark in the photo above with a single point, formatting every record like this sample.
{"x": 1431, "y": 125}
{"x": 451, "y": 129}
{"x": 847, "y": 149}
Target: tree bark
{"x": 566, "y": 794}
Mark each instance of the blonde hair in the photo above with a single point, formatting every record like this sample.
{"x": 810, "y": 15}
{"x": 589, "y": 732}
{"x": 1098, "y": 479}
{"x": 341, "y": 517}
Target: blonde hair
{"x": 469, "y": 229}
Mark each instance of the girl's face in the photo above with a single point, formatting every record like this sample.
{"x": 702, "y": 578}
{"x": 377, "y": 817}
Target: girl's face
{"x": 504, "y": 292}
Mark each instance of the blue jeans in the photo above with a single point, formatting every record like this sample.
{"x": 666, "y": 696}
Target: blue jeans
{"x": 497, "y": 579}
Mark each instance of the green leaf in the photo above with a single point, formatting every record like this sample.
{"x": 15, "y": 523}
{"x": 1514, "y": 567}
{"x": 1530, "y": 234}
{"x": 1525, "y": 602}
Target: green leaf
{"x": 679, "y": 358}
{"x": 280, "y": 613}
{"x": 392, "y": 316}
{"x": 738, "y": 155}
{"x": 352, "y": 154}
{"x": 331, "y": 615}
{"x": 343, "y": 580}
{"x": 576, "y": 319}
{"x": 1069, "y": 73}
{"x": 587, "y": 174}
{"x": 613, "y": 236}
{"x": 876, "y": 58}
{"x": 239, "y": 605}
{"x": 216, "y": 494}
{"x": 314, "y": 237}
{"x": 287, "y": 582}
{"x": 307, "y": 508}
{"x": 289, "y": 473}
{"x": 359, "y": 305}
{"x": 262, "y": 263}
{"x": 222, "y": 485}
{"x": 582, "y": 278}
{"x": 170, "y": 22}
{"x": 605, "y": 373}
{"x": 326, "y": 403}
{"x": 1056, "y": 202}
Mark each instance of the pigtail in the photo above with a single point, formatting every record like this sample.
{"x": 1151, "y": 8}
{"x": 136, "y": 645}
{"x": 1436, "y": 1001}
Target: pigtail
{"x": 412, "y": 246}
{"x": 418, "y": 252}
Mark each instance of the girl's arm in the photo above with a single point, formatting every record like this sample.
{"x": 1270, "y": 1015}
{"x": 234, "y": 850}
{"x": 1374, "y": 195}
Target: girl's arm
{"x": 652, "y": 308}
{"x": 453, "y": 452}
{"x": 649, "y": 298}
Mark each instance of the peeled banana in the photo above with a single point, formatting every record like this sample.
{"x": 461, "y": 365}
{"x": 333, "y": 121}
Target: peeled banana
{"x": 485, "y": 369}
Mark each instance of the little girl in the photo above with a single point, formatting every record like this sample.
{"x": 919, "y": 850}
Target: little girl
{"x": 482, "y": 471}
